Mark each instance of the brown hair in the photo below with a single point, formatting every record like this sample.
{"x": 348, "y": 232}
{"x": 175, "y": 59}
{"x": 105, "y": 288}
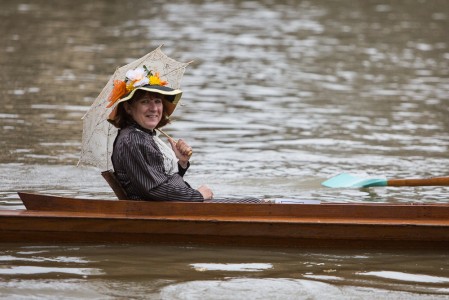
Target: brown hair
{"x": 123, "y": 119}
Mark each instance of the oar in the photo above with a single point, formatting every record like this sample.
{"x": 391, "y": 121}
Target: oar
{"x": 346, "y": 180}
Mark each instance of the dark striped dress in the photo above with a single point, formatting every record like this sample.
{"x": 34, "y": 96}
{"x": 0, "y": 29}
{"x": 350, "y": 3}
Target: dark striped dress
{"x": 139, "y": 166}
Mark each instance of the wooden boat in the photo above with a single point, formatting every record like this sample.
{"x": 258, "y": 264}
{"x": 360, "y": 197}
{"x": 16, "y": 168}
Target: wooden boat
{"x": 52, "y": 219}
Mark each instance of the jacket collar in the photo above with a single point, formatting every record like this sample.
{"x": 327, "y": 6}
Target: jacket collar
{"x": 149, "y": 131}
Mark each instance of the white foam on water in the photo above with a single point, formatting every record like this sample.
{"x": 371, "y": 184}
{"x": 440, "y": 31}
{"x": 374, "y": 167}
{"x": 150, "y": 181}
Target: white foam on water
{"x": 407, "y": 276}
{"x": 245, "y": 267}
{"x": 279, "y": 288}
{"x": 30, "y": 270}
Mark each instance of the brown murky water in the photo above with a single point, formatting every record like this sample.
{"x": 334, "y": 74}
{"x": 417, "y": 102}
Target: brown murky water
{"x": 282, "y": 94}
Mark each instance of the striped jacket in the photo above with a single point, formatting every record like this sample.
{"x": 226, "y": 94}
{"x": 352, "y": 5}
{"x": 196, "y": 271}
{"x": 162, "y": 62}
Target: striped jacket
{"x": 139, "y": 166}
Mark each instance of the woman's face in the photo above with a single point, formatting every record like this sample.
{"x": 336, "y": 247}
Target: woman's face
{"x": 147, "y": 110}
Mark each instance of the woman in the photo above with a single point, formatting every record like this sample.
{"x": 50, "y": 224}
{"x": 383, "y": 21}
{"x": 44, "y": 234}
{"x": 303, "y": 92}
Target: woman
{"x": 147, "y": 168}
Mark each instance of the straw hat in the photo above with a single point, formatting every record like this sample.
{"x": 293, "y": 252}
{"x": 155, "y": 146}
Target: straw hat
{"x": 142, "y": 79}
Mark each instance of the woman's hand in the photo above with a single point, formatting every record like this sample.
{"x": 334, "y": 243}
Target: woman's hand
{"x": 182, "y": 151}
{"x": 206, "y": 192}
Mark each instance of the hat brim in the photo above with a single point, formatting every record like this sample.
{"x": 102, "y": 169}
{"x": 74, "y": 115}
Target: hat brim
{"x": 172, "y": 97}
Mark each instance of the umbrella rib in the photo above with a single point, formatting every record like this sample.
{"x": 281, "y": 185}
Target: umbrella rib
{"x": 181, "y": 67}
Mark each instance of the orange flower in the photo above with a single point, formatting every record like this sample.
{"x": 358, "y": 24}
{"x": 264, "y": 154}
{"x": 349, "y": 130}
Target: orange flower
{"x": 118, "y": 92}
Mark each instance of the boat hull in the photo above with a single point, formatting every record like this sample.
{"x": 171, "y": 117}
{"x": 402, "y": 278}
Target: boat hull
{"x": 50, "y": 219}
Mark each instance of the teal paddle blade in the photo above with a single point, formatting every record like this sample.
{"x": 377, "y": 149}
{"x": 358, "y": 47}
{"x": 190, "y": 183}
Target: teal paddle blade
{"x": 345, "y": 180}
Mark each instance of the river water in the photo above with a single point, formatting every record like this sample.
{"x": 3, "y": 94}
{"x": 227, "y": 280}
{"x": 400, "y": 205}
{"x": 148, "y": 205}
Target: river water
{"x": 281, "y": 96}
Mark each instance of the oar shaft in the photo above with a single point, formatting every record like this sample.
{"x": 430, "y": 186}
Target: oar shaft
{"x": 434, "y": 181}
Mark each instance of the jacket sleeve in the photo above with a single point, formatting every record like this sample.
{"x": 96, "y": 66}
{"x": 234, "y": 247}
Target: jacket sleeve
{"x": 181, "y": 170}
{"x": 145, "y": 168}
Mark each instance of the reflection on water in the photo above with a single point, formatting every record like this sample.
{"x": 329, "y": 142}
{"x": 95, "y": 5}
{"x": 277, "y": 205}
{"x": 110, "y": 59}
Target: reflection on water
{"x": 160, "y": 271}
{"x": 281, "y": 95}
{"x": 251, "y": 267}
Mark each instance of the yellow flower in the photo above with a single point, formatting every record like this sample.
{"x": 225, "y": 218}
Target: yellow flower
{"x": 155, "y": 80}
{"x": 130, "y": 87}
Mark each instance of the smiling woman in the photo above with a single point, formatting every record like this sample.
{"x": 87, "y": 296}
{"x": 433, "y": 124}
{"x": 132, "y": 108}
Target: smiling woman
{"x": 146, "y": 167}
{"x": 147, "y": 110}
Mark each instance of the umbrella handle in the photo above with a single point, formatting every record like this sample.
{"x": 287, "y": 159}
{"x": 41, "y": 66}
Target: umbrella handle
{"x": 169, "y": 137}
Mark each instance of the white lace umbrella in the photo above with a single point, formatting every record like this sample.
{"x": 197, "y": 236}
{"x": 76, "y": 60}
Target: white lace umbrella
{"x": 98, "y": 133}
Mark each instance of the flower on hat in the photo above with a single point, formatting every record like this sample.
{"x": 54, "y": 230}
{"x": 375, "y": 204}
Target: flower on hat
{"x": 156, "y": 80}
{"x": 117, "y": 92}
{"x": 138, "y": 77}
{"x": 133, "y": 79}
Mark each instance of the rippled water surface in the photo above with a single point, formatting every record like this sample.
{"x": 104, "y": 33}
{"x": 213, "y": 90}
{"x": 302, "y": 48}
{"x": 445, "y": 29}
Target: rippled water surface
{"x": 107, "y": 272}
{"x": 281, "y": 95}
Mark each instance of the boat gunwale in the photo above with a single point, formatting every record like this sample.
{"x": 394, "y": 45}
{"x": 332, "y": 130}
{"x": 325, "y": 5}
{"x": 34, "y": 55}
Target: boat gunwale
{"x": 130, "y": 208}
